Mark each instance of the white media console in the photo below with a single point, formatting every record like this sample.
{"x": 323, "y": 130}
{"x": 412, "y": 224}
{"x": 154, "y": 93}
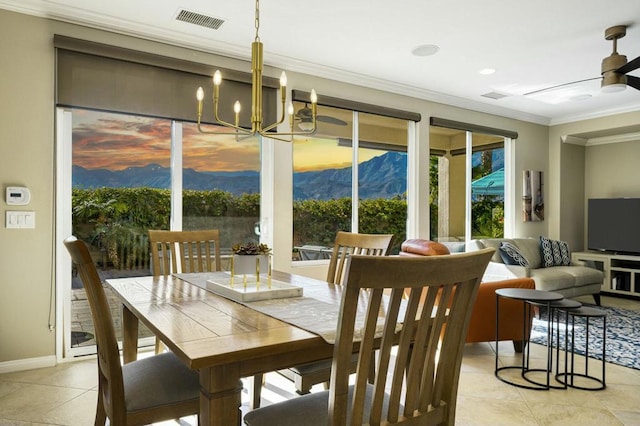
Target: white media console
{"x": 621, "y": 272}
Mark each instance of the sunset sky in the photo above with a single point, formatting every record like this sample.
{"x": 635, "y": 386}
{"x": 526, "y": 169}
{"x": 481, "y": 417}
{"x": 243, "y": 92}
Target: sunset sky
{"x": 116, "y": 142}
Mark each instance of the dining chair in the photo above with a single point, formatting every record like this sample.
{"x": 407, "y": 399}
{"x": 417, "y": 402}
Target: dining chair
{"x": 420, "y": 342}
{"x": 347, "y": 244}
{"x": 184, "y": 251}
{"x": 148, "y": 390}
{"x": 304, "y": 376}
{"x": 197, "y": 251}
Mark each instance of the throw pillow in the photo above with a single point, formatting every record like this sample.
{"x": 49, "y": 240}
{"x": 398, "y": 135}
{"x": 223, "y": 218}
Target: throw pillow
{"x": 554, "y": 253}
{"x": 511, "y": 255}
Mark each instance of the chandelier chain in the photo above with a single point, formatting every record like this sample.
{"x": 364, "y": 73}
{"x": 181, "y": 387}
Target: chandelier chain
{"x": 257, "y": 23}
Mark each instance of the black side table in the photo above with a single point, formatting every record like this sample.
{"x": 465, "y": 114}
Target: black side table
{"x": 557, "y": 308}
{"x": 568, "y": 378}
{"x": 528, "y": 297}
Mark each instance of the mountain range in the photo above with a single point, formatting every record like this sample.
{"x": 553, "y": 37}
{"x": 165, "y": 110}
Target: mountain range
{"x": 381, "y": 177}
{"x": 384, "y": 176}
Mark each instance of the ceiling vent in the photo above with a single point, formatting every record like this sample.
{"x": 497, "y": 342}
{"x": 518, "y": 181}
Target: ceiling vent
{"x": 199, "y": 19}
{"x": 494, "y": 95}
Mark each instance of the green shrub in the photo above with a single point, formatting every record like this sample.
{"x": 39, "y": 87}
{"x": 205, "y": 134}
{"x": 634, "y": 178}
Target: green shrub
{"x": 316, "y": 222}
{"x": 115, "y": 220}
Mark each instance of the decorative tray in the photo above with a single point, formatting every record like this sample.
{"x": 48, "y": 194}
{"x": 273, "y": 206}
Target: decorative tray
{"x": 250, "y": 290}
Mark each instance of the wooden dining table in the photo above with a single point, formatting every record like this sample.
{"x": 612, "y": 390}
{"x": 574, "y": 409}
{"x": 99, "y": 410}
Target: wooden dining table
{"x": 220, "y": 338}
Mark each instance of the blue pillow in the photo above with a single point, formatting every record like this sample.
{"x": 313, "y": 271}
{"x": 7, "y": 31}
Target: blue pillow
{"x": 554, "y": 253}
{"x": 511, "y": 255}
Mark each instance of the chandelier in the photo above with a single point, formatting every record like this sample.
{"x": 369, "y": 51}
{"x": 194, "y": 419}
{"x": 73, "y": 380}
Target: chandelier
{"x": 256, "y": 100}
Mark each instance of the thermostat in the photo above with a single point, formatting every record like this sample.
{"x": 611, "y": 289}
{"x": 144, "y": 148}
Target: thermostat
{"x": 18, "y": 195}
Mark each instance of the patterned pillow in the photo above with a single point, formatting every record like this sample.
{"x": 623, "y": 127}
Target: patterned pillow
{"x": 511, "y": 255}
{"x": 554, "y": 253}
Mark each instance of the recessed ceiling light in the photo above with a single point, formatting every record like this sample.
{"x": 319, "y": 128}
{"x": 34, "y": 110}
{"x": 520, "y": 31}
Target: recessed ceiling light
{"x": 487, "y": 71}
{"x": 425, "y": 50}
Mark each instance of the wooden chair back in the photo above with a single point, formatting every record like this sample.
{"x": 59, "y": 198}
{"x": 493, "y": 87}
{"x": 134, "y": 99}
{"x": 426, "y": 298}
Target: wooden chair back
{"x": 110, "y": 382}
{"x": 184, "y": 251}
{"x": 347, "y": 244}
{"x": 422, "y": 380}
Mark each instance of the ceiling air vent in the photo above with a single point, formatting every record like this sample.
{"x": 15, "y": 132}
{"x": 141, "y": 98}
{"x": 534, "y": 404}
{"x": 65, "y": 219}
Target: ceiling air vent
{"x": 199, "y": 19}
{"x": 494, "y": 95}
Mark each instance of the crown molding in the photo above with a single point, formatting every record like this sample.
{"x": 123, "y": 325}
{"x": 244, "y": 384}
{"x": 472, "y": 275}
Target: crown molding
{"x": 574, "y": 140}
{"x": 590, "y": 116}
{"x": 603, "y": 140}
{"x": 627, "y": 137}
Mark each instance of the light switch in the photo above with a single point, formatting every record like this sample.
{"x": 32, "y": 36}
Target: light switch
{"x": 20, "y": 219}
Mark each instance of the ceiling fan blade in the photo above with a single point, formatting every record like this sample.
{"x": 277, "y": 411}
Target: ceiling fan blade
{"x": 560, "y": 85}
{"x": 331, "y": 120}
{"x": 629, "y": 66}
{"x": 633, "y": 82}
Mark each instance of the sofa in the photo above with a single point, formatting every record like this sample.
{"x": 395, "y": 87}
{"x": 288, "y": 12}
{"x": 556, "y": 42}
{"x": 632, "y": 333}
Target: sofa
{"x": 571, "y": 279}
{"x": 482, "y": 327}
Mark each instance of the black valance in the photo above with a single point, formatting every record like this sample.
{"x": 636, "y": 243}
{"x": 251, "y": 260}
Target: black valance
{"x": 110, "y": 78}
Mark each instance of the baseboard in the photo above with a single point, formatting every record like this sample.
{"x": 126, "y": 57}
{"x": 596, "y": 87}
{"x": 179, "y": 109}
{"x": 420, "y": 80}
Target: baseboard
{"x": 27, "y": 364}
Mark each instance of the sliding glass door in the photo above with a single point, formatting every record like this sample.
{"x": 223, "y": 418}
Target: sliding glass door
{"x": 467, "y": 191}
{"x": 330, "y": 194}
{"x": 120, "y": 175}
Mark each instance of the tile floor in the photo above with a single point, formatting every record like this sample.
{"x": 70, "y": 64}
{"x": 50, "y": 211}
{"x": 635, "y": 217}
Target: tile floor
{"x": 66, "y": 394}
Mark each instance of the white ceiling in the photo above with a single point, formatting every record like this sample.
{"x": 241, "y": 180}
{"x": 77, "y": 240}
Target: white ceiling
{"x": 531, "y": 44}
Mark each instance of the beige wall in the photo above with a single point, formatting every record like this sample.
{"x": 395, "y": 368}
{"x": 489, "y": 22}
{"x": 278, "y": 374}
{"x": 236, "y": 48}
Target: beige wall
{"x": 612, "y": 170}
{"x": 580, "y": 172}
{"x": 27, "y": 158}
{"x": 571, "y": 171}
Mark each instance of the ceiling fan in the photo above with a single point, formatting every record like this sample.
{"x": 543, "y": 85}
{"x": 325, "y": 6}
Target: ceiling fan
{"x": 304, "y": 118}
{"x": 614, "y": 68}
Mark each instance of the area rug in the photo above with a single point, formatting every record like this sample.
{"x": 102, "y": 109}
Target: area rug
{"x": 622, "y": 339}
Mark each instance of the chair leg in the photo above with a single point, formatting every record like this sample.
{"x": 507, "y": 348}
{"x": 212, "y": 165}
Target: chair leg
{"x": 101, "y": 415}
{"x": 372, "y": 367}
{"x": 159, "y": 346}
{"x": 254, "y": 388}
{"x": 596, "y": 298}
{"x": 518, "y": 346}
{"x": 302, "y": 386}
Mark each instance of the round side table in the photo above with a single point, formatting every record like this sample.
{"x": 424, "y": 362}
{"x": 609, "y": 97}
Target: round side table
{"x": 557, "y": 308}
{"x": 528, "y": 297}
{"x": 569, "y": 377}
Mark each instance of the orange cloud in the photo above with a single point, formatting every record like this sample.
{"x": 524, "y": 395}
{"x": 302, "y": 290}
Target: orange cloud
{"x": 116, "y": 142}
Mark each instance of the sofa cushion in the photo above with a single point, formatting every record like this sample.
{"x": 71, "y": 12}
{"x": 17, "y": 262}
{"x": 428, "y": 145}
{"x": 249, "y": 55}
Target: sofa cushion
{"x": 511, "y": 255}
{"x": 423, "y": 247}
{"x": 582, "y": 275}
{"x": 530, "y": 248}
{"x": 455, "y": 246}
{"x": 494, "y": 243}
{"x": 554, "y": 253}
{"x": 552, "y": 279}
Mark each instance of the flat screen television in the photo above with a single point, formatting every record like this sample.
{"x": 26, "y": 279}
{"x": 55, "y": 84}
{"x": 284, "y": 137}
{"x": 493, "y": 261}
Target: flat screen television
{"x": 614, "y": 225}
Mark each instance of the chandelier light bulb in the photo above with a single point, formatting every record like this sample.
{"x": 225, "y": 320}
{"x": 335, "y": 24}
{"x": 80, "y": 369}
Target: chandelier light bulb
{"x": 290, "y": 108}
{"x": 217, "y": 78}
{"x": 200, "y": 94}
{"x": 236, "y": 107}
{"x": 314, "y": 96}
{"x": 283, "y": 79}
